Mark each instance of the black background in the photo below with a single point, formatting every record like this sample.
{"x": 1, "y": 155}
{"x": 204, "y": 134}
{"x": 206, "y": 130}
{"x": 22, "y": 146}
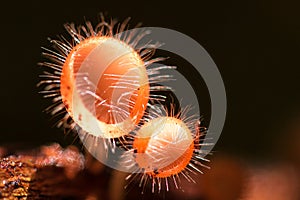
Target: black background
{"x": 255, "y": 44}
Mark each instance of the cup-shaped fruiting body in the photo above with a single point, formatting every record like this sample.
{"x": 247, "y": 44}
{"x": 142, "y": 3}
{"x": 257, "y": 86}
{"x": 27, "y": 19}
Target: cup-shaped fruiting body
{"x": 164, "y": 146}
{"x": 104, "y": 86}
{"x": 99, "y": 79}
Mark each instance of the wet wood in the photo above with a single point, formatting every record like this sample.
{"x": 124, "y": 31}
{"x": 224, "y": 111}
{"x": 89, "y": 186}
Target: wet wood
{"x": 52, "y": 173}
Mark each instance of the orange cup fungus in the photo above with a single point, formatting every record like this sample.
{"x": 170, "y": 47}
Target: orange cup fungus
{"x": 118, "y": 101}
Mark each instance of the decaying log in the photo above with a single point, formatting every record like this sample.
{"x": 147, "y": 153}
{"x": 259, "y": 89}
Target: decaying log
{"x": 53, "y": 173}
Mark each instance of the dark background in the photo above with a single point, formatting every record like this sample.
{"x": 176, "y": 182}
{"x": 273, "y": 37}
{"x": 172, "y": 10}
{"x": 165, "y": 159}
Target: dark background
{"x": 255, "y": 44}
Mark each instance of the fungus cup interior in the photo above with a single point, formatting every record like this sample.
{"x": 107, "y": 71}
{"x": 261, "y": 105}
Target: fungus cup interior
{"x": 104, "y": 86}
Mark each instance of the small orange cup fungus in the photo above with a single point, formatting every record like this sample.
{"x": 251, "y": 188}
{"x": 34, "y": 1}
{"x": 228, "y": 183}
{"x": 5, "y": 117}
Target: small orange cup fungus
{"x": 104, "y": 86}
{"x": 164, "y": 146}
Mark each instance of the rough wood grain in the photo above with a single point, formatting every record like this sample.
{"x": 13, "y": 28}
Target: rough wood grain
{"x": 52, "y": 173}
